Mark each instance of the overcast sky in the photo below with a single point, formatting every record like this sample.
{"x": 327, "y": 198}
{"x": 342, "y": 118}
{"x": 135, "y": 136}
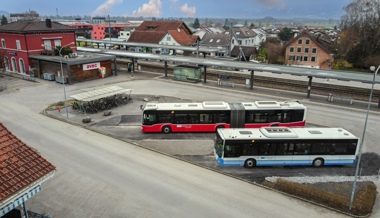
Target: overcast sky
{"x": 183, "y": 8}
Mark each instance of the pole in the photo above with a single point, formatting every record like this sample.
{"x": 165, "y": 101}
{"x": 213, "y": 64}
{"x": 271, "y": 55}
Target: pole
{"x": 63, "y": 79}
{"x": 362, "y": 141}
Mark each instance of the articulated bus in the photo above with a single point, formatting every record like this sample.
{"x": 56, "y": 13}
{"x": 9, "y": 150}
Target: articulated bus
{"x": 211, "y": 115}
{"x": 283, "y": 146}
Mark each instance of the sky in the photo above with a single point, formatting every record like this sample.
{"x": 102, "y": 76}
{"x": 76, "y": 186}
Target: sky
{"x": 324, "y": 9}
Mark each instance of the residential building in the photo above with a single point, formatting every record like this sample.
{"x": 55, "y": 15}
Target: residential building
{"x": 305, "y": 51}
{"x": 23, "y": 38}
{"x": 164, "y": 33}
{"x": 218, "y": 40}
{"x": 27, "y": 47}
{"x": 246, "y": 36}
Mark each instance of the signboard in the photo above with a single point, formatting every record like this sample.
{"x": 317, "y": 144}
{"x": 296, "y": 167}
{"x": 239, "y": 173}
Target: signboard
{"x": 12, "y": 53}
{"x": 91, "y": 66}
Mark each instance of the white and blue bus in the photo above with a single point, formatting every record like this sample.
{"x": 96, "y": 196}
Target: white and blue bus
{"x": 283, "y": 146}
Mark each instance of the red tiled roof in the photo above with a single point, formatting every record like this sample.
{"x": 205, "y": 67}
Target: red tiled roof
{"x": 20, "y": 165}
{"x": 182, "y": 38}
{"x": 146, "y": 37}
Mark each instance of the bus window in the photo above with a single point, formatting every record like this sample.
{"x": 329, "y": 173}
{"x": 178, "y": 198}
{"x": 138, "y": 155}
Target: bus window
{"x": 249, "y": 149}
{"x": 340, "y": 148}
{"x": 149, "y": 119}
{"x": 194, "y": 118}
{"x": 249, "y": 117}
{"x": 281, "y": 148}
{"x": 320, "y": 148}
{"x": 166, "y": 118}
{"x": 232, "y": 151}
{"x": 351, "y": 148}
{"x": 302, "y": 148}
{"x": 181, "y": 118}
{"x": 296, "y": 115}
{"x": 267, "y": 148}
{"x": 205, "y": 118}
{"x": 221, "y": 118}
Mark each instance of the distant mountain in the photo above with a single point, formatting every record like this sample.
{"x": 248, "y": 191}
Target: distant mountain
{"x": 6, "y": 14}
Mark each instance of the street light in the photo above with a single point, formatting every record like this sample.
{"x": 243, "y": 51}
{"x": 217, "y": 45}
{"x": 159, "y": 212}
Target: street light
{"x": 63, "y": 78}
{"x": 362, "y": 140}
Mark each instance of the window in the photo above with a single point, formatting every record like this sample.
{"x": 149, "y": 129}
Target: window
{"x": 299, "y": 49}
{"x": 239, "y": 42}
{"x": 205, "y": 118}
{"x": 166, "y": 118}
{"x": 18, "y": 44}
{"x": 168, "y": 38}
{"x": 211, "y": 40}
{"x": 314, "y": 50}
{"x": 307, "y": 42}
{"x": 3, "y": 43}
{"x": 313, "y": 59}
{"x": 305, "y": 58}
{"x": 298, "y": 58}
{"x": 217, "y": 40}
{"x": 291, "y": 49}
{"x": 57, "y": 42}
{"x": 47, "y": 44}
{"x": 193, "y": 118}
{"x": 181, "y": 118}
{"x": 306, "y": 50}
{"x": 291, "y": 58}
{"x": 299, "y": 41}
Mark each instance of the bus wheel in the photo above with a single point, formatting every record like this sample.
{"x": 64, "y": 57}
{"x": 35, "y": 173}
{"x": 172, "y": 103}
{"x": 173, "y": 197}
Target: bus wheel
{"x": 318, "y": 162}
{"x": 250, "y": 163}
{"x": 166, "y": 129}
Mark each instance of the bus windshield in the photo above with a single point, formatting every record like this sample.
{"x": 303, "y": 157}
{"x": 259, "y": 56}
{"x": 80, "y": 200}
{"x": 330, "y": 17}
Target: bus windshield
{"x": 219, "y": 146}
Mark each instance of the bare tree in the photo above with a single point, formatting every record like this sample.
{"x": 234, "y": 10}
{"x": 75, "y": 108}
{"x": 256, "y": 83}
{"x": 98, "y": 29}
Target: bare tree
{"x": 362, "y": 26}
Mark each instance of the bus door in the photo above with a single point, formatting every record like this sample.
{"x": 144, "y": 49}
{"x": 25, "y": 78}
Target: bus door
{"x": 237, "y": 115}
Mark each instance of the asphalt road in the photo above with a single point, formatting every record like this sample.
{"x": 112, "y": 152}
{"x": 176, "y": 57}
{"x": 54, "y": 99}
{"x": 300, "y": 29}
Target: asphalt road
{"x": 102, "y": 177}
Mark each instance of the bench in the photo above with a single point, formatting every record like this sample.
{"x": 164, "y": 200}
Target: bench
{"x": 331, "y": 98}
{"x": 225, "y": 83}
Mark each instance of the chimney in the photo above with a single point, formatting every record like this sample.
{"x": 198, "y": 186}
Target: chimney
{"x": 48, "y": 23}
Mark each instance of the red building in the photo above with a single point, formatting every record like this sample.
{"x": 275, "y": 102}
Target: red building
{"x": 21, "y": 39}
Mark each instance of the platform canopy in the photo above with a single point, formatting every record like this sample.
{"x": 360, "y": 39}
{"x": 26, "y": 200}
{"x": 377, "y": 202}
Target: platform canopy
{"x": 101, "y": 93}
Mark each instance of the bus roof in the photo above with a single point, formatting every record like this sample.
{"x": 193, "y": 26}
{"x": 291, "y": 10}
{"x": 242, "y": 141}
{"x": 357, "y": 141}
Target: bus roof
{"x": 273, "y": 105}
{"x": 220, "y": 105}
{"x": 207, "y": 105}
{"x": 267, "y": 133}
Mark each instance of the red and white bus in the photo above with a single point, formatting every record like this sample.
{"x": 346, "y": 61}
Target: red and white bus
{"x": 210, "y": 115}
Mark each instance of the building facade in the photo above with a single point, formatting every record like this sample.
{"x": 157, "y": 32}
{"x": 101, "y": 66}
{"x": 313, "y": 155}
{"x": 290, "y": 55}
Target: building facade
{"x": 305, "y": 51}
{"x": 23, "y": 38}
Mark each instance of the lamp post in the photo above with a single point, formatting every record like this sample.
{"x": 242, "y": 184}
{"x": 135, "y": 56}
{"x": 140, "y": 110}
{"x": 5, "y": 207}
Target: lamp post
{"x": 63, "y": 78}
{"x": 362, "y": 140}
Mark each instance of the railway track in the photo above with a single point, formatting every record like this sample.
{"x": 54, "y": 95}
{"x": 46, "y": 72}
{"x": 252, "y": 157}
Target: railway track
{"x": 355, "y": 93}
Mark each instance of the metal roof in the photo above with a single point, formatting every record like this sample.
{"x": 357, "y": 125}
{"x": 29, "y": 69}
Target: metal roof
{"x": 80, "y": 59}
{"x": 150, "y": 45}
{"x": 297, "y": 71}
{"x": 100, "y": 93}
